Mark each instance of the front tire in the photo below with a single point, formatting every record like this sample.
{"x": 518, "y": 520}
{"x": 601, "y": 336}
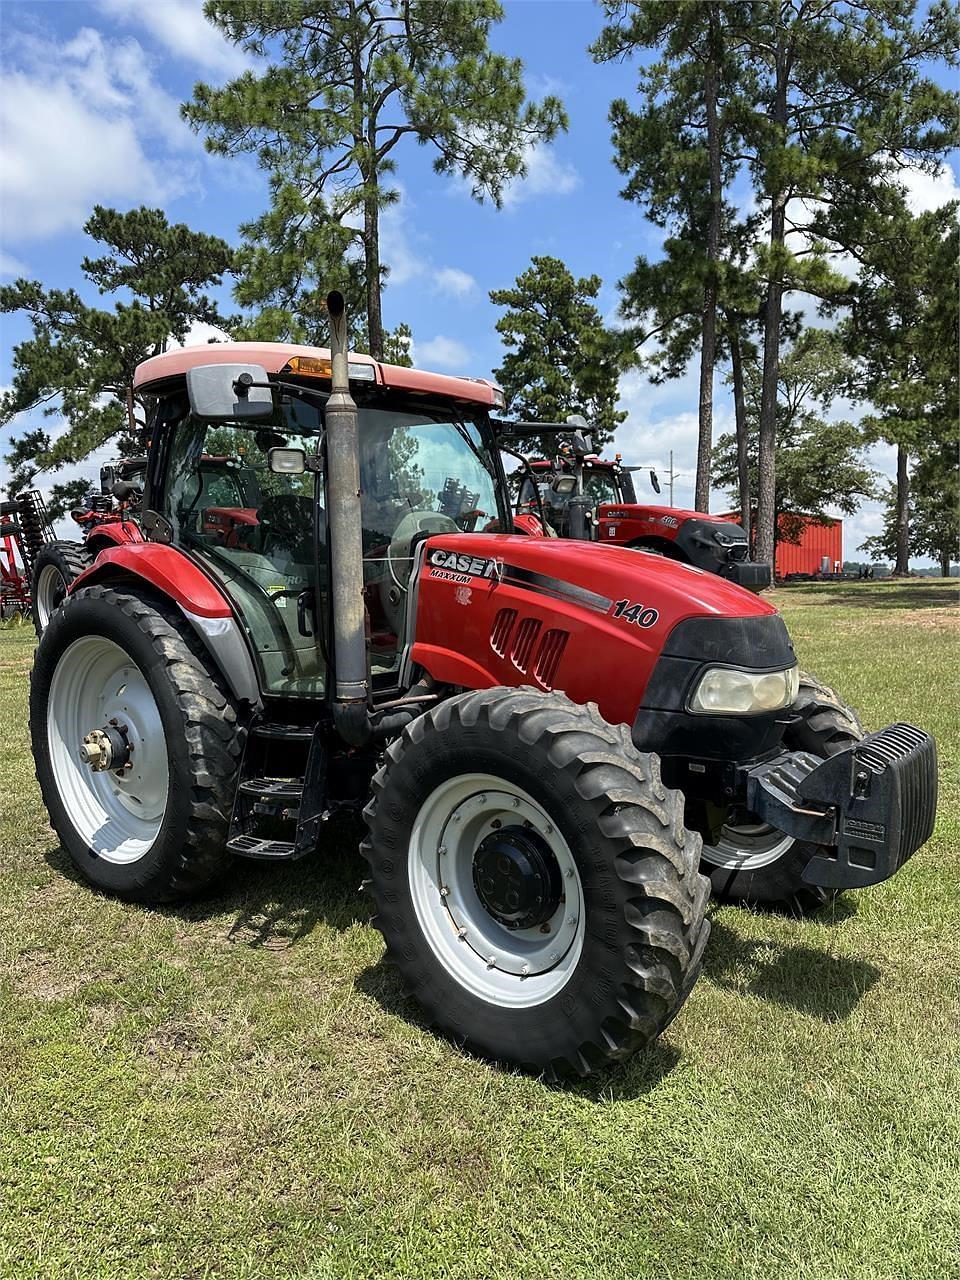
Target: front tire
{"x": 56, "y": 566}
{"x": 755, "y": 865}
{"x": 534, "y": 881}
{"x": 153, "y": 829}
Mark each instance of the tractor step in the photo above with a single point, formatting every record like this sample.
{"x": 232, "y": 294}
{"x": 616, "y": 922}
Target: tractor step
{"x": 271, "y": 789}
{"x": 283, "y": 732}
{"x": 262, "y": 850}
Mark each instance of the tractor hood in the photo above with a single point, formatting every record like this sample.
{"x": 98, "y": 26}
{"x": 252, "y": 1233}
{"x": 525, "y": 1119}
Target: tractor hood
{"x": 591, "y": 620}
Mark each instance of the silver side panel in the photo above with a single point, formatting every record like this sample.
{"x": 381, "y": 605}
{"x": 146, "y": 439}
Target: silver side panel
{"x": 410, "y": 619}
{"x": 223, "y": 638}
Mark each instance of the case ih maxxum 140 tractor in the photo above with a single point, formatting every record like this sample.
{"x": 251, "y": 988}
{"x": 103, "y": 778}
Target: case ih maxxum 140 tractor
{"x": 559, "y": 747}
{"x": 583, "y": 496}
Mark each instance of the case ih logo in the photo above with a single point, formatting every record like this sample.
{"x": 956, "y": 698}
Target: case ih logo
{"x": 456, "y": 567}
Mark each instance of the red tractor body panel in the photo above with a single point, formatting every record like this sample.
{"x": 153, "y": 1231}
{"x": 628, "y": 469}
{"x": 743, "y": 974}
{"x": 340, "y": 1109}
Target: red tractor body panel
{"x": 623, "y": 523}
{"x": 99, "y": 529}
{"x": 166, "y": 569}
{"x": 499, "y": 610}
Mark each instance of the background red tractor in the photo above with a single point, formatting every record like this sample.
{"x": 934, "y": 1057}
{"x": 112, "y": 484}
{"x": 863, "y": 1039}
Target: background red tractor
{"x": 558, "y": 747}
{"x": 611, "y": 514}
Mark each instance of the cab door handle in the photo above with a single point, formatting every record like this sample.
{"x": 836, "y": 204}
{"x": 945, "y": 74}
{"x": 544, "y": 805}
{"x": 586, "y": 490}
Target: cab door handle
{"x": 304, "y": 606}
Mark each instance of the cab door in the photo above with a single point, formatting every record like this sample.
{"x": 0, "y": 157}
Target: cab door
{"x": 261, "y": 534}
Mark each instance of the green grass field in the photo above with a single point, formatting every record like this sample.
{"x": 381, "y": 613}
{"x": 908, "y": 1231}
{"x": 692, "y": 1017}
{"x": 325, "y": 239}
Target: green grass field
{"x": 240, "y": 1088}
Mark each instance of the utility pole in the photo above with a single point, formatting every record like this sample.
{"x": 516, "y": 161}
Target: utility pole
{"x": 671, "y": 477}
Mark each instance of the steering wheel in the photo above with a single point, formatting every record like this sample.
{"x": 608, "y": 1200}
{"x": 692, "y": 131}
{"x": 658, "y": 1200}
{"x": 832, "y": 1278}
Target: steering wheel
{"x": 394, "y": 586}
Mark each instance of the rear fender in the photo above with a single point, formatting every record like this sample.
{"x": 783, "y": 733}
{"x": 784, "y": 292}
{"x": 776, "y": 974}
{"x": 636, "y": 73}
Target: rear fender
{"x": 168, "y": 572}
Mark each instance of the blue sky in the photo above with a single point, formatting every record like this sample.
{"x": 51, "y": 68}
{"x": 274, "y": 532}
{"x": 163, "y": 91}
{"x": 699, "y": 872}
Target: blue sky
{"x": 89, "y": 113}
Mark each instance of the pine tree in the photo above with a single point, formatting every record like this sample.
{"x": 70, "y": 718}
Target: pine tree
{"x": 676, "y": 153}
{"x": 820, "y": 462}
{"x": 343, "y": 83}
{"x": 840, "y": 103}
{"x": 560, "y": 357}
{"x": 80, "y": 360}
{"x": 903, "y": 330}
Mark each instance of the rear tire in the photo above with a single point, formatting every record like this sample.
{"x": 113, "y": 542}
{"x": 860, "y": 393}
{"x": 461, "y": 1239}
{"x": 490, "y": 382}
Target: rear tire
{"x": 761, "y": 867}
{"x": 56, "y": 566}
{"x": 158, "y": 832}
{"x": 629, "y": 924}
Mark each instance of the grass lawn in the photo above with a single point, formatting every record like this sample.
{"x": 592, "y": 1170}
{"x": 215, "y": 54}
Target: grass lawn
{"x": 239, "y": 1087}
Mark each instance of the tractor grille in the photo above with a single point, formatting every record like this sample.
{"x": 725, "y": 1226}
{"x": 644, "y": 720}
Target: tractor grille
{"x": 548, "y": 657}
{"x": 523, "y": 643}
{"x": 500, "y": 631}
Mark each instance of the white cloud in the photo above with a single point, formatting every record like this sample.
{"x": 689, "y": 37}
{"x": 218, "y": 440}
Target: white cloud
{"x": 75, "y": 124}
{"x": 928, "y": 191}
{"x": 453, "y": 281}
{"x": 200, "y": 334}
{"x": 11, "y": 266}
{"x": 546, "y": 174}
{"x": 444, "y": 353}
{"x": 180, "y": 27}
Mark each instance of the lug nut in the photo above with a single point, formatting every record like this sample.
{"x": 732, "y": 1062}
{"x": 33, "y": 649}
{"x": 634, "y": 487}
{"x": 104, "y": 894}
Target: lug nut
{"x": 491, "y": 962}
{"x": 524, "y": 971}
{"x": 442, "y": 850}
{"x": 444, "y": 891}
{"x": 461, "y": 933}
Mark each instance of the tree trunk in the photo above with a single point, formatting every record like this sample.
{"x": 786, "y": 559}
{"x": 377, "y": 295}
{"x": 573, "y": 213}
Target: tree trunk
{"x": 767, "y": 444}
{"x": 902, "y": 567}
{"x": 708, "y": 347}
{"x": 740, "y": 414}
{"x": 944, "y": 564}
{"x": 371, "y": 253}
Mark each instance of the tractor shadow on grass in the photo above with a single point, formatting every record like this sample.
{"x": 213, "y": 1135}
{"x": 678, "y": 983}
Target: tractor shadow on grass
{"x": 641, "y": 1074}
{"x": 795, "y": 977}
{"x": 273, "y": 906}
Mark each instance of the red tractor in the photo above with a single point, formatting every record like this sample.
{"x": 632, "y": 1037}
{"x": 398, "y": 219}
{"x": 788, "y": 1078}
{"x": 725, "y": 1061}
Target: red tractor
{"x": 611, "y": 513}
{"x": 556, "y": 746}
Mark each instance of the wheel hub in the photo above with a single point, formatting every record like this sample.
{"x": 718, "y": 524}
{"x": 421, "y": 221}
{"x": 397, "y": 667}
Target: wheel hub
{"x": 107, "y": 748}
{"x": 517, "y": 878}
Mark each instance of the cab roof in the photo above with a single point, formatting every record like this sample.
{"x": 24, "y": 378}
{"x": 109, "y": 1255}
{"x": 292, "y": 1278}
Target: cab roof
{"x": 274, "y": 357}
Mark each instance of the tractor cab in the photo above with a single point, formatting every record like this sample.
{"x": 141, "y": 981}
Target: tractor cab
{"x": 553, "y": 482}
{"x": 245, "y": 495}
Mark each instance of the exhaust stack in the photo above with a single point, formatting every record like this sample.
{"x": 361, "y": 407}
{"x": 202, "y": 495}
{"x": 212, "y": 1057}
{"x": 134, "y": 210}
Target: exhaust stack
{"x": 351, "y": 702}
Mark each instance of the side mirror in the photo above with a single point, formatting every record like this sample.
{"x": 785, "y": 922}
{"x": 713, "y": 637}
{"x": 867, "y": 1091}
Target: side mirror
{"x": 581, "y": 436}
{"x": 287, "y": 462}
{"x": 654, "y": 481}
{"x": 564, "y": 485}
{"x": 229, "y": 392}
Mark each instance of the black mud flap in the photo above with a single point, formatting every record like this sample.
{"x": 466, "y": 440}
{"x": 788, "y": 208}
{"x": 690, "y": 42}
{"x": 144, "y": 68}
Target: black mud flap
{"x": 870, "y": 806}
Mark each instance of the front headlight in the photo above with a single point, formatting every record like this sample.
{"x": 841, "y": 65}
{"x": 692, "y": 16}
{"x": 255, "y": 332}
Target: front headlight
{"x": 726, "y": 691}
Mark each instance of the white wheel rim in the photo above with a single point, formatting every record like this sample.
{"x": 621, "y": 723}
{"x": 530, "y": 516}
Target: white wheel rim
{"x": 95, "y": 682}
{"x": 516, "y": 968}
{"x": 747, "y": 846}
{"x": 49, "y": 592}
